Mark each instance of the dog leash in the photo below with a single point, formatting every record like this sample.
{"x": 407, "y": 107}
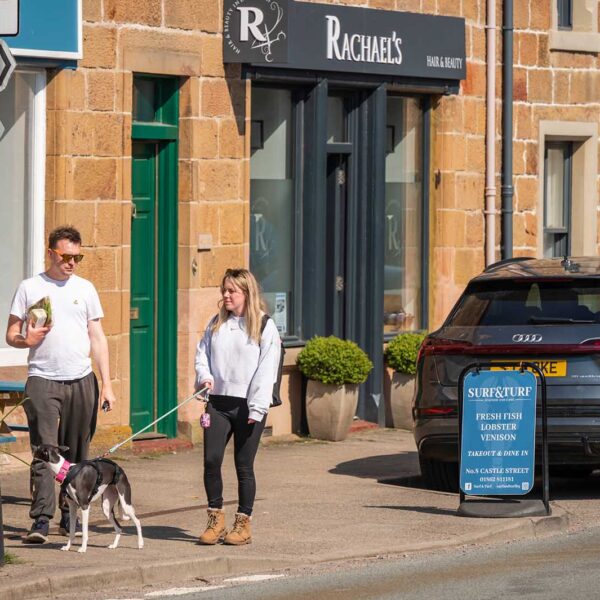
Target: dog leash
{"x": 204, "y": 390}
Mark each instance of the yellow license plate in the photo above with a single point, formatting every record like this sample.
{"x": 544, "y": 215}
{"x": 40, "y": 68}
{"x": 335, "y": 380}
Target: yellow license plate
{"x": 550, "y": 368}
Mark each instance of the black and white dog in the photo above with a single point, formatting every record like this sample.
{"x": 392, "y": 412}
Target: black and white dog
{"x": 84, "y": 482}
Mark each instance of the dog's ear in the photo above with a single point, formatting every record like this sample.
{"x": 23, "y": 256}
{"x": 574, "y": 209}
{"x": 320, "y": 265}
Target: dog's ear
{"x": 63, "y": 448}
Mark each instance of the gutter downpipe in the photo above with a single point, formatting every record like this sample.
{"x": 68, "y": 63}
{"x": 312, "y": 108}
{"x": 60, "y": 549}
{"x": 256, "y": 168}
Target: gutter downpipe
{"x": 507, "y": 131}
{"x": 490, "y": 136}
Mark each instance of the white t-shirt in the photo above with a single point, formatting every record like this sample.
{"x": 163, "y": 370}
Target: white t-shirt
{"x": 64, "y": 354}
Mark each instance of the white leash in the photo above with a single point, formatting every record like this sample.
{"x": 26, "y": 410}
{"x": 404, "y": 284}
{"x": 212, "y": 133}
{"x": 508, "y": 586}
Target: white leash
{"x": 195, "y": 395}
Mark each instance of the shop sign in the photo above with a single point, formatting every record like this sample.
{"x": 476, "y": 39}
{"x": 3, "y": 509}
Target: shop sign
{"x": 327, "y": 37}
{"x": 498, "y": 433}
{"x": 255, "y": 30}
{"x": 9, "y": 17}
{"x": 48, "y": 29}
{"x": 7, "y": 66}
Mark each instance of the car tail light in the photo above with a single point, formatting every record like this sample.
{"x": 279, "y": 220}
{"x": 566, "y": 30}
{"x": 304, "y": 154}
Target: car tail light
{"x": 440, "y": 346}
{"x": 435, "y": 411}
{"x": 595, "y": 343}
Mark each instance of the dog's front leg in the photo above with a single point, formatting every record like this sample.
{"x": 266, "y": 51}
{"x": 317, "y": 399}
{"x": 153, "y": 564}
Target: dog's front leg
{"x": 72, "y": 521}
{"x": 85, "y": 517}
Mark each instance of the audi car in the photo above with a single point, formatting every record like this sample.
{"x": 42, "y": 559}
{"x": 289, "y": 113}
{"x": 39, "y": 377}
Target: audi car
{"x": 546, "y": 311}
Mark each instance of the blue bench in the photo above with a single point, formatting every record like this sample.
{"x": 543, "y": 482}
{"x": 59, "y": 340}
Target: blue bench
{"x": 11, "y": 392}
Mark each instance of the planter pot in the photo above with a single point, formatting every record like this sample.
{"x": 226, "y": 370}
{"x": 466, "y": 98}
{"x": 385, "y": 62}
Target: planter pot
{"x": 330, "y": 409}
{"x": 400, "y": 397}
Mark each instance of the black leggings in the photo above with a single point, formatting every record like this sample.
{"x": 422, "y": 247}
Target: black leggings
{"x": 229, "y": 416}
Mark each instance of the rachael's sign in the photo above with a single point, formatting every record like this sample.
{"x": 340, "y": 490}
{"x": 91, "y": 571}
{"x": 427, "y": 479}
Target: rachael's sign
{"x": 255, "y": 30}
{"x": 327, "y": 37}
{"x": 498, "y": 433}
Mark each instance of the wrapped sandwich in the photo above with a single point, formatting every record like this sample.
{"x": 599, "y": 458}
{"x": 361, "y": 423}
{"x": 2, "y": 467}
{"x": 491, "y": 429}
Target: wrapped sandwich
{"x": 40, "y": 313}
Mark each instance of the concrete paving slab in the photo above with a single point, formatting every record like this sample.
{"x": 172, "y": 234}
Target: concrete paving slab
{"x": 316, "y": 502}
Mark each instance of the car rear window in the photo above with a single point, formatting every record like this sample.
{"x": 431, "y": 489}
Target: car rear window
{"x": 527, "y": 302}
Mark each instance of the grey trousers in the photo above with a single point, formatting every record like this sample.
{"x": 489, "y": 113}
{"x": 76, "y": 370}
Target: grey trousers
{"x": 60, "y": 413}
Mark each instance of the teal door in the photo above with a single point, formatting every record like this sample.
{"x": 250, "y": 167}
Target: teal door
{"x": 153, "y": 316}
{"x": 143, "y": 284}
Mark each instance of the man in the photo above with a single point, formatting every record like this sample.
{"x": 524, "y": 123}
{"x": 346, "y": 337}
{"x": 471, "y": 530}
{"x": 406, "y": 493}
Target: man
{"x": 61, "y": 388}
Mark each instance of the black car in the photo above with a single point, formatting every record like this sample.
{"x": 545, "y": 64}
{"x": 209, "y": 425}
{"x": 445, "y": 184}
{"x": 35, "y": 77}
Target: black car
{"x": 546, "y": 311}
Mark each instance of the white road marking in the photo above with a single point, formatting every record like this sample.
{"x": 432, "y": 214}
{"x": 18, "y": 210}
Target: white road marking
{"x": 182, "y": 591}
{"x": 253, "y": 578}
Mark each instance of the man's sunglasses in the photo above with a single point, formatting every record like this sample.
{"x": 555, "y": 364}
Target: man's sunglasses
{"x": 68, "y": 257}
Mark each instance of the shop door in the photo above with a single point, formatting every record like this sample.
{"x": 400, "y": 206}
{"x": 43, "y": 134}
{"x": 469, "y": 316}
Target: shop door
{"x": 336, "y": 243}
{"x": 143, "y": 284}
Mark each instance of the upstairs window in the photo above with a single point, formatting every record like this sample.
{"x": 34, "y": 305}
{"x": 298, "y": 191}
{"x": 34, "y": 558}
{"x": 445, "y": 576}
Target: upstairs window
{"x": 557, "y": 198}
{"x": 565, "y": 14}
{"x": 574, "y": 26}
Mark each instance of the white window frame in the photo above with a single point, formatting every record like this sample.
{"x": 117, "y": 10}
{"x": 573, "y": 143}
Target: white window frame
{"x": 11, "y": 357}
{"x": 584, "y": 200}
{"x": 584, "y": 36}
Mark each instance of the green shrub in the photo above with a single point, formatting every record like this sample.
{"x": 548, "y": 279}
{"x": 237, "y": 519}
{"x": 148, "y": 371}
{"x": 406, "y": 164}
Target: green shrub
{"x": 335, "y": 361}
{"x": 401, "y": 352}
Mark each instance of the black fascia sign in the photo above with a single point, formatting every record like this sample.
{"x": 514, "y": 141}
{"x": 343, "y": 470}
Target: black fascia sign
{"x": 334, "y": 38}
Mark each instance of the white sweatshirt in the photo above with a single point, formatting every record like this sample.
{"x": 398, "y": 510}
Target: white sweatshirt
{"x": 238, "y": 366}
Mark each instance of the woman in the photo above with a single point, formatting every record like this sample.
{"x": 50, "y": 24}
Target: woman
{"x": 238, "y": 363}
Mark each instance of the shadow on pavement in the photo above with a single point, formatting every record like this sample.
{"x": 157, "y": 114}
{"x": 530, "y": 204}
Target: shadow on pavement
{"x": 16, "y": 500}
{"x": 161, "y": 532}
{"x": 430, "y": 510}
{"x": 381, "y": 467}
{"x": 402, "y": 470}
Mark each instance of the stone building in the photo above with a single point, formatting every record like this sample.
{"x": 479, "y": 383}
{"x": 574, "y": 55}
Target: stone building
{"x": 355, "y": 192}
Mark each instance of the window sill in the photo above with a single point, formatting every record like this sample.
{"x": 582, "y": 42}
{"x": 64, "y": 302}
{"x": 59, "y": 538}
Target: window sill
{"x": 13, "y": 357}
{"x": 574, "y": 41}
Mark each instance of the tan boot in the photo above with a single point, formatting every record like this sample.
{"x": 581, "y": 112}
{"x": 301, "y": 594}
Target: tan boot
{"x": 215, "y": 528}
{"x": 240, "y": 534}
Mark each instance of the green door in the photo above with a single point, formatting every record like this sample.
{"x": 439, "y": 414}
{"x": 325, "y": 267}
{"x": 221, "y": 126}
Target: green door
{"x": 153, "y": 330}
{"x": 143, "y": 284}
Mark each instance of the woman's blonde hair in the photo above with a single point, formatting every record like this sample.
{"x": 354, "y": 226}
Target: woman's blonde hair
{"x": 255, "y": 305}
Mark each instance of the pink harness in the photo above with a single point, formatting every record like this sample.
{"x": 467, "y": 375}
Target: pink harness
{"x": 62, "y": 473}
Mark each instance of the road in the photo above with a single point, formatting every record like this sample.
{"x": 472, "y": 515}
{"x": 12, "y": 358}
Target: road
{"x": 558, "y": 567}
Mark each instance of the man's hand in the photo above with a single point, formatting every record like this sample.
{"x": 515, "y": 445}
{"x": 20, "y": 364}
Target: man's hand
{"x": 33, "y": 337}
{"x": 107, "y": 395}
{"x": 99, "y": 347}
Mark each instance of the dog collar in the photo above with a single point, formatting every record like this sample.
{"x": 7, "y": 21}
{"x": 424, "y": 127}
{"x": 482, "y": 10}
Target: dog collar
{"x": 62, "y": 473}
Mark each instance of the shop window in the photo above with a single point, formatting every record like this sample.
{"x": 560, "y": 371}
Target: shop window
{"x": 272, "y": 202}
{"x": 336, "y": 119}
{"x": 574, "y": 26}
{"x": 22, "y": 160}
{"x": 557, "y": 198}
{"x": 403, "y": 216}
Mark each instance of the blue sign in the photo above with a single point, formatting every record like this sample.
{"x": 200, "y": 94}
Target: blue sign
{"x": 48, "y": 29}
{"x": 498, "y": 433}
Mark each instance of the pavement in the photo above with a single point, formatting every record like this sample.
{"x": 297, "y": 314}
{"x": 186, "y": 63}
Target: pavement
{"x": 317, "y": 502}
